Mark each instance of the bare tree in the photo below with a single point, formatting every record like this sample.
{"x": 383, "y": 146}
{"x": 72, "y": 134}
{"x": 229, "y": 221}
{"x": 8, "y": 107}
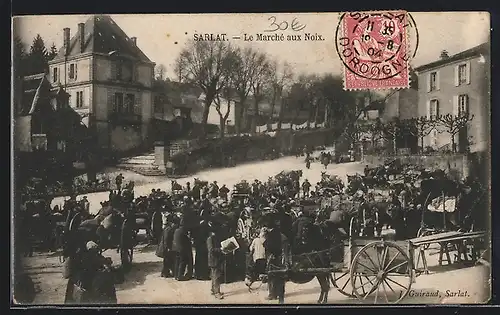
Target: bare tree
{"x": 281, "y": 78}
{"x": 203, "y": 63}
{"x": 261, "y": 80}
{"x": 420, "y": 127}
{"x": 453, "y": 124}
{"x": 160, "y": 72}
{"x": 227, "y": 93}
{"x": 246, "y": 73}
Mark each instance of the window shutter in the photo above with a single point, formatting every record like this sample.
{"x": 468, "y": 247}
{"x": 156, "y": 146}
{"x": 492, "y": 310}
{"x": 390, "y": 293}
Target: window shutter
{"x": 113, "y": 70}
{"x": 437, "y": 80}
{"x": 429, "y": 82}
{"x": 76, "y": 70}
{"x": 467, "y": 72}
{"x": 456, "y": 76}
{"x": 428, "y": 109}
{"x": 455, "y": 106}
{"x": 137, "y": 105}
{"x": 111, "y": 101}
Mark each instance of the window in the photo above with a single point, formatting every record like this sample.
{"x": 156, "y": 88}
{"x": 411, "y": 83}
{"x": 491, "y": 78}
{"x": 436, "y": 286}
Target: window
{"x": 462, "y": 74}
{"x": 72, "y": 71}
{"x": 129, "y": 103}
{"x": 127, "y": 71}
{"x": 434, "y": 108}
{"x": 55, "y": 76}
{"x": 433, "y": 81}
{"x": 463, "y": 104}
{"x": 118, "y": 102}
{"x": 79, "y": 99}
{"x": 119, "y": 71}
{"x": 61, "y": 145}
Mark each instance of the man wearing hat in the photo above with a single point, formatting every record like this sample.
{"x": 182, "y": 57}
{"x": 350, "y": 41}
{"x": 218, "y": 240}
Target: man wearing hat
{"x": 276, "y": 249}
{"x": 168, "y": 268}
{"x": 223, "y": 192}
{"x": 181, "y": 246}
{"x": 215, "y": 259}
{"x": 119, "y": 181}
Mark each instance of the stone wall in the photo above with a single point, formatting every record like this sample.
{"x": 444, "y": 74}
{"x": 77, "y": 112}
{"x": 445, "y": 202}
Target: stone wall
{"x": 458, "y": 165}
{"x": 234, "y": 150}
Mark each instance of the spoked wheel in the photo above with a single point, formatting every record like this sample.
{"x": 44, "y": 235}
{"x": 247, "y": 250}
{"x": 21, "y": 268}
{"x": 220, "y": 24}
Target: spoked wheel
{"x": 126, "y": 244}
{"x": 383, "y": 270}
{"x": 342, "y": 282}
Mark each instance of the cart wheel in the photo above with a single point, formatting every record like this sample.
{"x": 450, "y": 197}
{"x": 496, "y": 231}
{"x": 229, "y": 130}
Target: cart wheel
{"x": 424, "y": 232}
{"x": 381, "y": 265}
{"x": 126, "y": 244}
{"x": 342, "y": 282}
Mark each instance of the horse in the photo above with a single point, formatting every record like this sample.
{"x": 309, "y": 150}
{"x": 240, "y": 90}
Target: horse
{"x": 325, "y": 159}
{"x": 355, "y": 183}
{"x": 314, "y": 250}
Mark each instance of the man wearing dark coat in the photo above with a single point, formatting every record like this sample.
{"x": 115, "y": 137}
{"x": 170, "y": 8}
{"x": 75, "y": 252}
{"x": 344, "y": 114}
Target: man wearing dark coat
{"x": 201, "y": 234}
{"x": 181, "y": 246}
{"x": 276, "y": 245}
{"x": 215, "y": 261}
{"x": 223, "y": 192}
{"x": 168, "y": 269}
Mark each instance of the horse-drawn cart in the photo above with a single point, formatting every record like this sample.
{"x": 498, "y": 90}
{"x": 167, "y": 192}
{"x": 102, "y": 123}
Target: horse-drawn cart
{"x": 376, "y": 271}
{"x": 111, "y": 229}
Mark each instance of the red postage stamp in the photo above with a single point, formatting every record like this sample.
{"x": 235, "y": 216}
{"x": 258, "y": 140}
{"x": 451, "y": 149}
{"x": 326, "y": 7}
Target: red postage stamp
{"x": 373, "y": 48}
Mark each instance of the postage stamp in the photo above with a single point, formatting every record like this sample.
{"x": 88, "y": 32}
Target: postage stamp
{"x": 251, "y": 159}
{"x": 373, "y": 48}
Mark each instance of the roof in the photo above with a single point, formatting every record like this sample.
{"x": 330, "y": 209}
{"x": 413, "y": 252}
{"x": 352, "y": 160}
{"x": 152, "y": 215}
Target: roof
{"x": 32, "y": 90}
{"x": 103, "y": 35}
{"x": 472, "y": 52}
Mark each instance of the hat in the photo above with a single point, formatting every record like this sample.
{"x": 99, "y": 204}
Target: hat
{"x": 91, "y": 245}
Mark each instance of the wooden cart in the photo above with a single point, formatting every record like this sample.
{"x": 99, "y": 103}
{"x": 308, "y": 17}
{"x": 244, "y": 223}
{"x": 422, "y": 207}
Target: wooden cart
{"x": 375, "y": 271}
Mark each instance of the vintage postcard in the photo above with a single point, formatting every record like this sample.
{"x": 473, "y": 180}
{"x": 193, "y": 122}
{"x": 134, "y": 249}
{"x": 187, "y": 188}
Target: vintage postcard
{"x": 332, "y": 158}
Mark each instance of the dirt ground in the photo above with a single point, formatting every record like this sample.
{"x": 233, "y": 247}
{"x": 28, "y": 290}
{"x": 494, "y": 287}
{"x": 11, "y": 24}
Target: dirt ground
{"x": 143, "y": 284}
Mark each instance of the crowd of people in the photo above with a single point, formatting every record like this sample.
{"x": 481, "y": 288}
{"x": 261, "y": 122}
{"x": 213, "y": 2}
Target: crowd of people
{"x": 197, "y": 217}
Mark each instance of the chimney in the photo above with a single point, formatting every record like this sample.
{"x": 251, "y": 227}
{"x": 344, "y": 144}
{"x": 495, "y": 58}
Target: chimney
{"x": 134, "y": 40}
{"x": 66, "y": 39}
{"x": 444, "y": 54}
{"x": 81, "y": 34}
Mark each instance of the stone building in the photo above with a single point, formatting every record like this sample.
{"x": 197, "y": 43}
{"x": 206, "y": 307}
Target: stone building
{"x": 109, "y": 79}
{"x": 456, "y": 83}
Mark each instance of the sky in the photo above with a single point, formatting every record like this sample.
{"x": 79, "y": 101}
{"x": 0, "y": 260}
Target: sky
{"x": 162, "y": 36}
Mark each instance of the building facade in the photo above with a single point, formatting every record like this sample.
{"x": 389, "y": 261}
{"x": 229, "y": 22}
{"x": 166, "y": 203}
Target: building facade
{"x": 453, "y": 84}
{"x": 109, "y": 81}
{"x": 48, "y": 135}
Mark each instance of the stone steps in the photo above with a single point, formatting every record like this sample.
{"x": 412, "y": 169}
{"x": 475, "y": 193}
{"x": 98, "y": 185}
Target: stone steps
{"x": 141, "y": 164}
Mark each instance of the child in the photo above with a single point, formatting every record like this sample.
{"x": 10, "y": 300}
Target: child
{"x": 259, "y": 252}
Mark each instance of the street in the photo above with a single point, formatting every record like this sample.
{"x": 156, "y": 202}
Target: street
{"x": 143, "y": 284}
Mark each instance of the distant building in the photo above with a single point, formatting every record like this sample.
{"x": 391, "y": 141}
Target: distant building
{"x": 48, "y": 134}
{"x": 401, "y": 104}
{"x": 456, "y": 83}
{"x": 109, "y": 79}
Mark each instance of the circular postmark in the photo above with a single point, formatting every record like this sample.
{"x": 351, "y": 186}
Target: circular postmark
{"x": 376, "y": 45}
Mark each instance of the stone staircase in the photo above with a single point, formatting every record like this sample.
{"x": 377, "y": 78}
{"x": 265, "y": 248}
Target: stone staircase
{"x": 142, "y": 164}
